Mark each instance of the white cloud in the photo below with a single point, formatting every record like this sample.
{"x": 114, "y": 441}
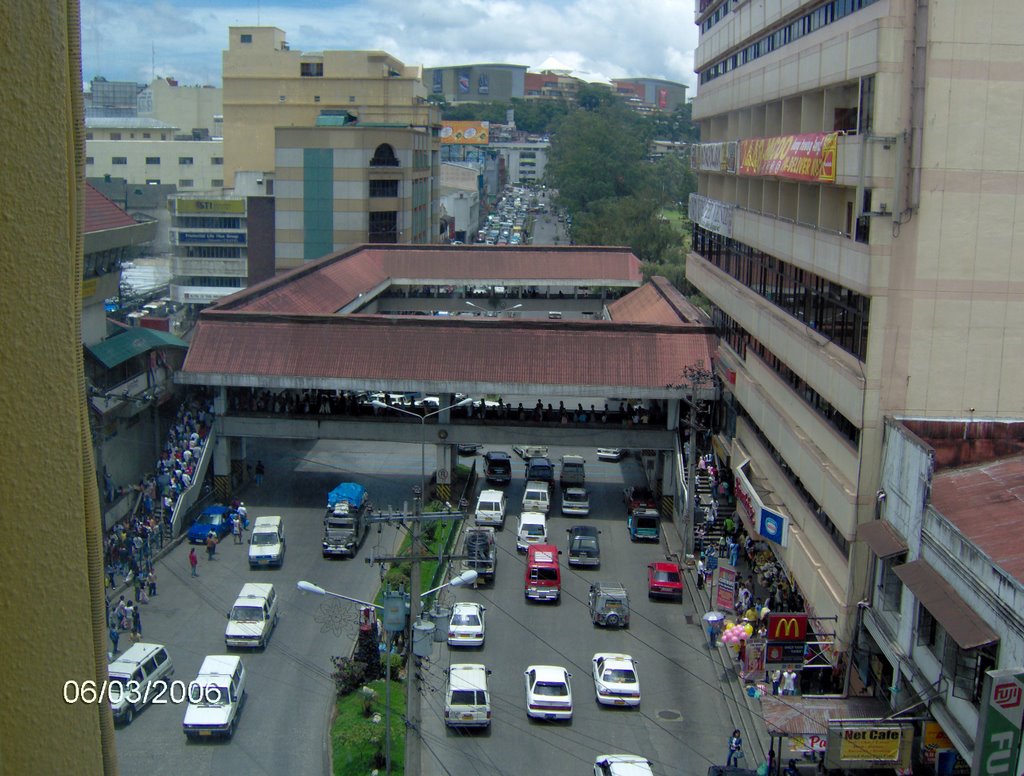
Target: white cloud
{"x": 184, "y": 40}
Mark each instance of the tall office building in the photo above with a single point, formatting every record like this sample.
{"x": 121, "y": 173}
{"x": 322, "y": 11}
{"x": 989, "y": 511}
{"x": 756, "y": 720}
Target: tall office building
{"x": 855, "y": 229}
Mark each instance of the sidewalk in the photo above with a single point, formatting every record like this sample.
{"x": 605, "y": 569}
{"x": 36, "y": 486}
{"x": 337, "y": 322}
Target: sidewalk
{"x": 749, "y": 716}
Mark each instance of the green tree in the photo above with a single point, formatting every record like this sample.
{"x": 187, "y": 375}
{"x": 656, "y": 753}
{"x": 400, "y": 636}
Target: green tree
{"x": 632, "y": 220}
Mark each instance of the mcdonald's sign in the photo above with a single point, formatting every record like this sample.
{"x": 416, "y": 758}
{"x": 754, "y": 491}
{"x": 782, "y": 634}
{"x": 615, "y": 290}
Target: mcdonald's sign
{"x": 787, "y": 627}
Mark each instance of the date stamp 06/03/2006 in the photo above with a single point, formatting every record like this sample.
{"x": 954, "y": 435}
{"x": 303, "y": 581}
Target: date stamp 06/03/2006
{"x": 141, "y": 693}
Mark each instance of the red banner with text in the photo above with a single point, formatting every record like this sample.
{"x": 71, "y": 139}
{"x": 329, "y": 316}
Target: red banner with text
{"x": 807, "y": 157}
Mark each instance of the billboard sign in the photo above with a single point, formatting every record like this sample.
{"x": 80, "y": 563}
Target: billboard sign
{"x": 998, "y": 747}
{"x": 209, "y": 205}
{"x": 483, "y": 84}
{"x": 463, "y": 82}
{"x": 222, "y": 238}
{"x": 785, "y": 653}
{"x": 725, "y": 593}
{"x": 787, "y": 626}
{"x": 859, "y": 746}
{"x": 662, "y": 97}
{"x": 465, "y": 132}
{"x": 773, "y": 526}
{"x": 807, "y": 157}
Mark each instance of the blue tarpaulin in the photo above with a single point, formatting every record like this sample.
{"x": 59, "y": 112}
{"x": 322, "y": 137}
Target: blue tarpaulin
{"x": 352, "y": 492}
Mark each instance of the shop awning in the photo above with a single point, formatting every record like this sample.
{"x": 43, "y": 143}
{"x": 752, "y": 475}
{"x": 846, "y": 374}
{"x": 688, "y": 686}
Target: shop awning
{"x": 882, "y": 538}
{"x": 799, "y": 716}
{"x": 945, "y": 604}
{"x": 121, "y": 347}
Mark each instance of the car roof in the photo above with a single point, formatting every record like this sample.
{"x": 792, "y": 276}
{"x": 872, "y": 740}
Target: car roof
{"x": 614, "y": 658}
{"x": 662, "y": 565}
{"x": 216, "y": 509}
{"x": 575, "y": 491}
{"x": 462, "y": 605}
{"x": 549, "y": 673}
{"x": 532, "y": 517}
{"x": 495, "y": 495}
{"x": 583, "y": 530}
{"x": 467, "y": 676}
{"x": 219, "y": 665}
{"x": 536, "y": 484}
{"x": 499, "y": 454}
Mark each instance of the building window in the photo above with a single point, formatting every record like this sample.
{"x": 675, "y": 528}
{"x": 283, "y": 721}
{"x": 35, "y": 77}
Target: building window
{"x": 384, "y": 156}
{"x": 216, "y": 160}
{"x": 88, "y": 160}
{"x": 88, "y": 135}
{"x": 186, "y": 183}
{"x": 867, "y": 103}
{"x": 146, "y": 136}
{"x": 383, "y": 227}
{"x": 890, "y": 586}
{"x": 311, "y": 69}
{"x": 383, "y": 188}
{"x": 246, "y": 38}
{"x": 152, "y": 160}
{"x": 163, "y": 135}
{"x": 969, "y": 667}
{"x": 217, "y": 183}
{"x": 115, "y": 135}
{"x": 281, "y": 98}
{"x": 185, "y": 161}
{"x": 119, "y": 160}
{"x": 316, "y": 98}
{"x": 352, "y": 98}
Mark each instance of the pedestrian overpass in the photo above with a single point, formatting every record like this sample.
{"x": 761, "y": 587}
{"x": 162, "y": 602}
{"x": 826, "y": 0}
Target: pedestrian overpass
{"x": 318, "y": 332}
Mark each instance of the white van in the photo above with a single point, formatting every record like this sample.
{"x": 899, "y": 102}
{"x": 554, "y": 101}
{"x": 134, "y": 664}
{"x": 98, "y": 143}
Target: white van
{"x": 490, "y": 508}
{"x": 253, "y": 617}
{"x": 266, "y": 545}
{"x": 533, "y": 529}
{"x": 537, "y": 497}
{"x": 137, "y": 677}
{"x": 215, "y": 697}
{"x": 467, "y": 702}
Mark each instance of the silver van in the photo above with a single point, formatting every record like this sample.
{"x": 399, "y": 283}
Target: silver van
{"x": 137, "y": 677}
{"x": 266, "y": 545}
{"x": 537, "y": 497}
{"x": 490, "y": 508}
{"x": 215, "y": 697}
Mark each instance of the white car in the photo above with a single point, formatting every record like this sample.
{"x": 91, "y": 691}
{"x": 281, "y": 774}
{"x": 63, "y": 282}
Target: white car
{"x": 575, "y": 501}
{"x": 615, "y": 679}
{"x": 548, "y": 692}
{"x": 466, "y": 628}
{"x": 622, "y": 765}
{"x": 610, "y": 453}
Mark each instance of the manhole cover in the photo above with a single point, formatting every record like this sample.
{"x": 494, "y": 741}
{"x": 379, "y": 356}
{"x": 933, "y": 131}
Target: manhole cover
{"x": 669, "y": 715}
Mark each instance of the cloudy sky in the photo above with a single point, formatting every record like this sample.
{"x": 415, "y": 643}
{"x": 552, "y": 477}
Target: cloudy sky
{"x": 135, "y": 40}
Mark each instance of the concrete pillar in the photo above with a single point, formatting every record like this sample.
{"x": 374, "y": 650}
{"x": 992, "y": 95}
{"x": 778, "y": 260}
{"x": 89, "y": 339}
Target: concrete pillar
{"x": 222, "y": 468}
{"x": 672, "y": 414}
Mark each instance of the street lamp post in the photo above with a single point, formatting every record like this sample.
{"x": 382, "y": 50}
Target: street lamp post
{"x": 412, "y": 690}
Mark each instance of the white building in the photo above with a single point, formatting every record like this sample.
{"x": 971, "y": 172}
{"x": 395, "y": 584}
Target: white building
{"x": 947, "y": 595}
{"x": 209, "y": 238}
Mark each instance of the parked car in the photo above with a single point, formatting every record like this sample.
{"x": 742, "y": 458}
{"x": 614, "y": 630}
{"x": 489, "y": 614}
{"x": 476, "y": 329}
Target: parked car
{"x": 575, "y": 501}
{"x": 610, "y": 454}
{"x": 584, "y": 546}
{"x": 466, "y": 627}
{"x": 622, "y": 765}
{"x": 664, "y": 581}
{"x": 533, "y": 529}
{"x": 540, "y": 469}
{"x": 615, "y": 679}
{"x": 573, "y": 471}
{"x": 467, "y": 700}
{"x": 498, "y": 467}
{"x": 468, "y": 448}
{"x": 216, "y": 519}
{"x": 548, "y": 692}
{"x": 609, "y": 604}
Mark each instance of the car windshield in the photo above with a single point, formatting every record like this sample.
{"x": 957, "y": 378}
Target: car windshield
{"x": 534, "y": 530}
{"x": 666, "y": 576}
{"x": 264, "y": 538}
{"x": 647, "y": 522}
{"x": 618, "y": 676}
{"x": 555, "y": 689}
{"x": 247, "y": 614}
{"x": 465, "y": 619}
{"x": 545, "y": 575}
{"x": 468, "y": 698}
{"x": 212, "y": 520}
{"x": 585, "y": 543}
{"x": 575, "y": 497}
{"x": 209, "y": 694}
{"x": 611, "y": 604}
{"x": 341, "y": 525}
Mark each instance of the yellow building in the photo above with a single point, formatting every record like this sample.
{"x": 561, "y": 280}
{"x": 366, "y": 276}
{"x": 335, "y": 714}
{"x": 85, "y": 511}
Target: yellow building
{"x": 858, "y": 189}
{"x": 268, "y": 85}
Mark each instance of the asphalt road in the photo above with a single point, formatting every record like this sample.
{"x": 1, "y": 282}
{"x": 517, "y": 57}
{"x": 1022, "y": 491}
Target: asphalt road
{"x": 682, "y": 723}
{"x": 283, "y": 725}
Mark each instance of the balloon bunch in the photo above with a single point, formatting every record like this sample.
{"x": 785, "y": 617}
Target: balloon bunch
{"x": 734, "y": 634}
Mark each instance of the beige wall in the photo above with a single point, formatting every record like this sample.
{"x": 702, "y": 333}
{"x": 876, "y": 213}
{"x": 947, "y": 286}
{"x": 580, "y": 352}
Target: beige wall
{"x": 51, "y": 566}
{"x": 188, "y": 107}
{"x": 263, "y": 89}
{"x": 203, "y": 172}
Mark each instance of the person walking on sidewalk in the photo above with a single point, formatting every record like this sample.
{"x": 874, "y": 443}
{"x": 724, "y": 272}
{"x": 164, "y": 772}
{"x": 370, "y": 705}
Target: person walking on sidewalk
{"x": 193, "y": 561}
{"x": 735, "y": 749}
{"x": 776, "y": 681}
{"x": 700, "y": 574}
{"x": 211, "y": 544}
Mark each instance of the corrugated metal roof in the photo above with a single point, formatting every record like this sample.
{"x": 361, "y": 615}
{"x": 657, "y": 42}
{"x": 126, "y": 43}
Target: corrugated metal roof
{"x": 986, "y": 504}
{"x": 656, "y": 302}
{"x": 378, "y": 351}
{"x": 961, "y": 622}
{"x": 119, "y": 348}
{"x": 102, "y": 213}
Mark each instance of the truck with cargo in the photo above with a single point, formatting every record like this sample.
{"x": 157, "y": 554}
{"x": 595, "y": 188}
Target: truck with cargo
{"x": 481, "y": 554}
{"x": 346, "y": 522}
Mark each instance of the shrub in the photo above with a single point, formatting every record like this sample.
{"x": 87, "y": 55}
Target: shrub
{"x": 348, "y": 674}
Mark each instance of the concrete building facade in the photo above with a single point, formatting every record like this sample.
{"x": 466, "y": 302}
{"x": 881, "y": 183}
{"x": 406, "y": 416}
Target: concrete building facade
{"x": 650, "y": 95}
{"x": 189, "y": 107}
{"x": 268, "y": 85}
{"x": 525, "y": 162}
{"x": 209, "y": 240}
{"x": 947, "y": 592}
{"x": 153, "y": 152}
{"x": 475, "y": 83}
{"x": 854, "y": 233}
{"x": 340, "y": 186}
